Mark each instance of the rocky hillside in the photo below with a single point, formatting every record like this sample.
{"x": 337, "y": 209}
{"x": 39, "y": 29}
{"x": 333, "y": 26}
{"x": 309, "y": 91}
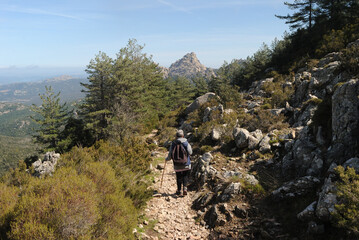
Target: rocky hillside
{"x": 271, "y": 173}
{"x": 189, "y": 66}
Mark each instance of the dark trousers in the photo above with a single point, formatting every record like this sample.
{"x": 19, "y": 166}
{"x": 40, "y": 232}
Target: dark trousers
{"x": 182, "y": 179}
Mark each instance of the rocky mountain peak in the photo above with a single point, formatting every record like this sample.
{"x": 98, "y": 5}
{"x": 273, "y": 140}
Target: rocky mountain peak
{"x": 190, "y": 57}
{"x": 188, "y": 66}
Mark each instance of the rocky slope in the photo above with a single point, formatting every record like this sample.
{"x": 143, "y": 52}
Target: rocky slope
{"x": 188, "y": 66}
{"x": 293, "y": 162}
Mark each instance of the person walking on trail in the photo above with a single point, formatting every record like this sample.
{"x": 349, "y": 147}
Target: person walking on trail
{"x": 180, "y": 151}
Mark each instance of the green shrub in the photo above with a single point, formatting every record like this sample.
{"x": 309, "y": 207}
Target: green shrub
{"x": 263, "y": 120}
{"x": 129, "y": 160}
{"x": 336, "y": 40}
{"x": 279, "y": 95}
{"x": 59, "y": 207}
{"x": 117, "y": 213}
{"x": 266, "y": 106}
{"x": 332, "y": 42}
{"x": 8, "y": 200}
{"x": 350, "y": 59}
{"x": 166, "y": 134}
{"x": 347, "y": 210}
{"x": 18, "y": 177}
{"x": 247, "y": 187}
{"x": 206, "y": 148}
{"x": 315, "y": 101}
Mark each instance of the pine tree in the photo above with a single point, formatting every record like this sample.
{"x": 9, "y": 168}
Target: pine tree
{"x": 339, "y": 12}
{"x": 200, "y": 84}
{"x": 53, "y": 117}
{"x": 181, "y": 91}
{"x": 139, "y": 84}
{"x": 96, "y": 108}
{"x": 130, "y": 85}
{"x": 304, "y": 15}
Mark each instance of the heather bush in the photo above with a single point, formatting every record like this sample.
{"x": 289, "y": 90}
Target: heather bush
{"x": 18, "y": 177}
{"x": 8, "y": 200}
{"x": 263, "y": 120}
{"x": 129, "y": 160}
{"x": 59, "y": 207}
{"x": 278, "y": 92}
{"x": 347, "y": 210}
{"x": 350, "y": 59}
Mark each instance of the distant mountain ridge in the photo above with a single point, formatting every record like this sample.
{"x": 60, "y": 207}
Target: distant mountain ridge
{"x": 28, "y": 92}
{"x": 188, "y": 66}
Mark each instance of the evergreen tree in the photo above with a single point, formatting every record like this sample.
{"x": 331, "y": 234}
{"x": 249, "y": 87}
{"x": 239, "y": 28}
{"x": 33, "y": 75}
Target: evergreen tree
{"x": 338, "y": 12}
{"x": 53, "y": 116}
{"x": 96, "y": 108}
{"x": 304, "y": 15}
{"x": 252, "y": 69}
{"x": 139, "y": 84}
{"x": 130, "y": 85}
{"x": 181, "y": 91}
{"x": 224, "y": 84}
{"x": 201, "y": 85}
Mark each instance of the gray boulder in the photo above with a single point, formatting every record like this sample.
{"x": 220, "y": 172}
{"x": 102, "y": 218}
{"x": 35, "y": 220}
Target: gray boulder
{"x": 199, "y": 102}
{"x": 254, "y": 139}
{"x": 352, "y": 163}
{"x": 47, "y": 165}
{"x": 213, "y": 217}
{"x": 345, "y": 119}
{"x": 308, "y": 213}
{"x": 241, "y": 136}
{"x": 216, "y": 134}
{"x": 201, "y": 170}
{"x": 327, "y": 201}
{"x": 264, "y": 145}
{"x": 296, "y": 188}
{"x": 186, "y": 127}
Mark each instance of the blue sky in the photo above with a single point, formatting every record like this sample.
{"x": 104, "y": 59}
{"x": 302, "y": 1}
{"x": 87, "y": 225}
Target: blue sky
{"x": 66, "y": 34}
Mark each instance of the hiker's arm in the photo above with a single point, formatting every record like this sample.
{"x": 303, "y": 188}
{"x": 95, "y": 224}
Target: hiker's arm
{"x": 189, "y": 149}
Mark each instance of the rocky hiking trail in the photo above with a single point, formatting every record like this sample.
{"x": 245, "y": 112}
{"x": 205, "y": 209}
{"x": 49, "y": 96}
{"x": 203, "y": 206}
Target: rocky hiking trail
{"x": 173, "y": 214}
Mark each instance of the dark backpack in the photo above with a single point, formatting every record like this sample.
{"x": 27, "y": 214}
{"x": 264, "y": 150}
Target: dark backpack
{"x": 179, "y": 153}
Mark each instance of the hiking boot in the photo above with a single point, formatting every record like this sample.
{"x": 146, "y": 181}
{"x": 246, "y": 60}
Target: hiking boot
{"x": 184, "y": 191}
{"x": 178, "y": 192}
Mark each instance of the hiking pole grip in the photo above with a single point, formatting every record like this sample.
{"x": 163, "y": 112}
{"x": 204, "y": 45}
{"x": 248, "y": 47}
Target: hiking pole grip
{"x": 163, "y": 173}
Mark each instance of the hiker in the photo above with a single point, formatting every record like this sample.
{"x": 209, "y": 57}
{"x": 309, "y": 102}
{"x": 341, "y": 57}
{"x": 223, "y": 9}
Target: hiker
{"x": 180, "y": 152}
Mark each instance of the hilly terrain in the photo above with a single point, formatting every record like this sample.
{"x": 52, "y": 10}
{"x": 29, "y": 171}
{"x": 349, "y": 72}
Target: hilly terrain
{"x": 28, "y": 92}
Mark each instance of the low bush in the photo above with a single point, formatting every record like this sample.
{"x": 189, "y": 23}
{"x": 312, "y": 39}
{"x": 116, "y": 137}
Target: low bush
{"x": 350, "y": 59}
{"x": 206, "y": 148}
{"x": 279, "y": 93}
{"x": 8, "y": 200}
{"x": 61, "y": 207}
{"x": 347, "y": 210}
{"x": 263, "y": 120}
{"x": 95, "y": 193}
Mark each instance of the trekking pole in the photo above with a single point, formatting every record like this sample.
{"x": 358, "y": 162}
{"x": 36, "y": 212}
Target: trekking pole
{"x": 164, "y": 168}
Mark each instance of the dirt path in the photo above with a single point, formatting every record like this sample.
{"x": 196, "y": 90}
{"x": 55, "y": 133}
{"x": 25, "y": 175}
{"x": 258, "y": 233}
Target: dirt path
{"x": 174, "y": 216}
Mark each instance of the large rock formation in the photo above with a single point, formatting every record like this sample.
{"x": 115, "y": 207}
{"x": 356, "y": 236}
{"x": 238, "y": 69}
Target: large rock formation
{"x": 189, "y": 66}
